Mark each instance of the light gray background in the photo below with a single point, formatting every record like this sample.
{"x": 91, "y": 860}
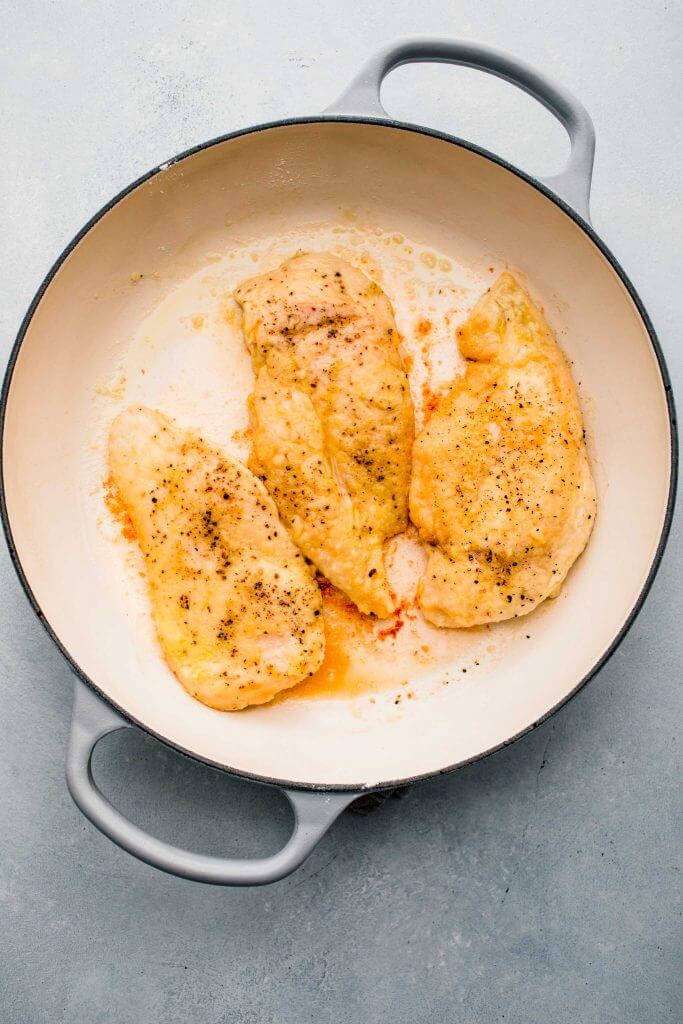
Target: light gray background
{"x": 539, "y": 885}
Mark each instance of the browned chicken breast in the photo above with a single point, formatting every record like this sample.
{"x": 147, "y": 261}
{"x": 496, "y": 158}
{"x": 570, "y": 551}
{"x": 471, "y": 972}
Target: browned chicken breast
{"x": 332, "y": 417}
{"x": 236, "y": 608}
{"x": 501, "y": 485}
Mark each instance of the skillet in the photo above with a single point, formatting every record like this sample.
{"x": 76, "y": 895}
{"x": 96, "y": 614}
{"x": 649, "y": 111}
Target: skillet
{"x": 239, "y": 193}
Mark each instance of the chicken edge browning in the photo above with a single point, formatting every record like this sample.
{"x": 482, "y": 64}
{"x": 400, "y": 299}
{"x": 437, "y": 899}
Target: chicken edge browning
{"x": 237, "y": 611}
{"x": 502, "y": 489}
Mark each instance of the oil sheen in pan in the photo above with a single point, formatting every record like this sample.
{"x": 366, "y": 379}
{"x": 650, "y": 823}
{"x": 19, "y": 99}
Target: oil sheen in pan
{"x": 188, "y": 359}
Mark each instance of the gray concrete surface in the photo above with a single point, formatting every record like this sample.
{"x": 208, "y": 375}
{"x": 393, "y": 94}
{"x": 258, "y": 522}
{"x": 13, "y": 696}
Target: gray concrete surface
{"x": 537, "y": 886}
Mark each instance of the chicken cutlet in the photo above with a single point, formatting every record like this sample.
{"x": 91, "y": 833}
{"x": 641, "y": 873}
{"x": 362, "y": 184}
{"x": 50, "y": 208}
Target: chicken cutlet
{"x": 332, "y": 417}
{"x": 236, "y": 608}
{"x": 502, "y": 487}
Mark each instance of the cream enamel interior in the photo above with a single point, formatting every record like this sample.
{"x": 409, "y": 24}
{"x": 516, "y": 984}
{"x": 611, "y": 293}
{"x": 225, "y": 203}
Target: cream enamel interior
{"x": 261, "y": 185}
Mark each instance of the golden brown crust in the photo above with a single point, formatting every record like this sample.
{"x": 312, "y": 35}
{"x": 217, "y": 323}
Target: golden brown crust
{"x": 236, "y": 608}
{"x": 501, "y": 483}
{"x": 332, "y": 416}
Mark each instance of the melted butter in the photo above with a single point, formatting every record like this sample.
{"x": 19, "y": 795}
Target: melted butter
{"x": 365, "y": 655}
{"x": 348, "y": 636}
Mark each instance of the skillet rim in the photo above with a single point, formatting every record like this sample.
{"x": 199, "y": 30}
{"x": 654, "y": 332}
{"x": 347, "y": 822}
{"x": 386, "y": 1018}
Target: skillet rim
{"x": 505, "y": 165}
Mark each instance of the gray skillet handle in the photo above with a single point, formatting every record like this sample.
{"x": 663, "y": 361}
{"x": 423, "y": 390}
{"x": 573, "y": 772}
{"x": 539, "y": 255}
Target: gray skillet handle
{"x": 573, "y": 184}
{"x": 313, "y": 812}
